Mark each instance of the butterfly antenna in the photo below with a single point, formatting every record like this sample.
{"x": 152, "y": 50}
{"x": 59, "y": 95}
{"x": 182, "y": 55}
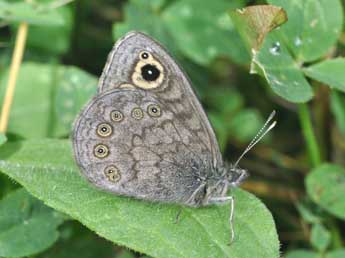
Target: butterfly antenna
{"x": 262, "y": 132}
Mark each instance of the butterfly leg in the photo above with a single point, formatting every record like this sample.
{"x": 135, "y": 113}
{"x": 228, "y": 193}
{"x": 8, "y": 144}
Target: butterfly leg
{"x": 231, "y": 200}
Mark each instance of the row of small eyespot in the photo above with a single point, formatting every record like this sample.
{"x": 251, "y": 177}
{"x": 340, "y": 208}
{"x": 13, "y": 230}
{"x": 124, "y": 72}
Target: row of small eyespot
{"x": 105, "y": 130}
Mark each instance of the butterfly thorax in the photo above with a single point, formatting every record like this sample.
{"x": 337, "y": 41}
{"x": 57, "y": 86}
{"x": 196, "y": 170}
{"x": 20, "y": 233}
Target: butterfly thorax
{"x": 216, "y": 184}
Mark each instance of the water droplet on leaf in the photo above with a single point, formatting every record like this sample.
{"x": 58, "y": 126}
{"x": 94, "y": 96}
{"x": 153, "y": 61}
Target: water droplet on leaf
{"x": 298, "y": 41}
{"x": 275, "y": 49}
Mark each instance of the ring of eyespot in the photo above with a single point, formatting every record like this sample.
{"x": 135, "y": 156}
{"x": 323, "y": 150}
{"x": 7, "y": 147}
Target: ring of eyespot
{"x": 116, "y": 116}
{"x": 101, "y": 151}
{"x": 154, "y": 110}
{"x": 104, "y": 130}
{"x": 112, "y": 173}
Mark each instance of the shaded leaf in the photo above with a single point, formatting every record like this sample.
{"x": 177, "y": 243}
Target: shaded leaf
{"x": 326, "y": 186}
{"x": 320, "y": 237}
{"x": 205, "y": 31}
{"x": 254, "y": 22}
{"x": 329, "y": 72}
{"x": 302, "y": 254}
{"x": 307, "y": 213}
{"x": 47, "y": 170}
{"x": 145, "y": 17}
{"x": 27, "y": 226}
{"x": 3, "y": 138}
{"x": 77, "y": 241}
{"x": 340, "y": 253}
{"x": 338, "y": 109}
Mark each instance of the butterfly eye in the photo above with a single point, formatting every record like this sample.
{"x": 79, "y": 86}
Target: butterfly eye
{"x": 150, "y": 72}
{"x": 154, "y": 110}
{"x": 112, "y": 173}
{"x": 104, "y": 130}
{"x": 116, "y": 116}
{"x": 101, "y": 151}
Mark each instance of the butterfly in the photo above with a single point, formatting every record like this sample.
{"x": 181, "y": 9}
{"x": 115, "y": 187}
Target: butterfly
{"x": 146, "y": 135}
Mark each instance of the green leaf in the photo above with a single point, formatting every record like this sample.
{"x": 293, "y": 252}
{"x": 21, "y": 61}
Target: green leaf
{"x": 283, "y": 74}
{"x": 146, "y": 18}
{"x": 307, "y": 21}
{"x": 340, "y": 253}
{"x": 30, "y": 113}
{"x": 205, "y": 31}
{"x": 338, "y": 109}
{"x": 27, "y": 226}
{"x": 34, "y": 115}
{"x": 47, "y": 170}
{"x": 307, "y": 214}
{"x": 302, "y": 254}
{"x": 326, "y": 186}
{"x": 320, "y": 237}
{"x": 75, "y": 88}
{"x": 329, "y": 72}
{"x": 249, "y": 117}
{"x": 32, "y": 13}
{"x": 254, "y": 22}
{"x": 3, "y": 138}
{"x": 77, "y": 241}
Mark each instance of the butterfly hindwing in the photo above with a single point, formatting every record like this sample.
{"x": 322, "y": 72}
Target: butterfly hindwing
{"x": 129, "y": 142}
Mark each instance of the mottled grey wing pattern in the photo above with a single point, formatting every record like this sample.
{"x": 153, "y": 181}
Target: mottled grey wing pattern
{"x": 130, "y": 142}
{"x": 175, "y": 91}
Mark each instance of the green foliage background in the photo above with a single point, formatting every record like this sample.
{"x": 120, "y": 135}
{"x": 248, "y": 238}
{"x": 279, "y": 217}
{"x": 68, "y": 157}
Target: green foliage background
{"x": 48, "y": 210}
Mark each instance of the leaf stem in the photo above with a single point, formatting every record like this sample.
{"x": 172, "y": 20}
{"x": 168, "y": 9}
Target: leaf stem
{"x": 309, "y": 135}
{"x": 15, "y": 65}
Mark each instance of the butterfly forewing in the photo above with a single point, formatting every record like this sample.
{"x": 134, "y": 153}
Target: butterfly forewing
{"x": 175, "y": 90}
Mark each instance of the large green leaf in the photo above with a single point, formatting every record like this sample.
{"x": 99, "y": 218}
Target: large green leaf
{"x": 330, "y": 72}
{"x": 326, "y": 186}
{"x": 27, "y": 226}
{"x": 308, "y": 19}
{"x": 46, "y": 169}
{"x": 204, "y": 31}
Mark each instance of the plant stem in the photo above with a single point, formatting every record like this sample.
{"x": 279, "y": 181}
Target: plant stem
{"x": 309, "y": 135}
{"x": 15, "y": 65}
